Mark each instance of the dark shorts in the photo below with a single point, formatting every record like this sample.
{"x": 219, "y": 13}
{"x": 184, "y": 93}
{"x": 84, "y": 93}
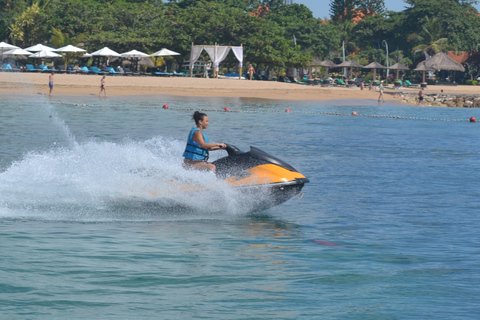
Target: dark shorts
{"x": 420, "y": 98}
{"x": 50, "y": 84}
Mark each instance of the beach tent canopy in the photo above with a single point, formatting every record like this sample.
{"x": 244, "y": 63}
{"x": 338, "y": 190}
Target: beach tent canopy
{"x": 70, "y": 48}
{"x": 45, "y": 54}
{"x": 164, "y": 52}
{"x": 217, "y": 54}
{"x": 39, "y": 47}
{"x": 441, "y": 61}
{"x": 105, "y": 52}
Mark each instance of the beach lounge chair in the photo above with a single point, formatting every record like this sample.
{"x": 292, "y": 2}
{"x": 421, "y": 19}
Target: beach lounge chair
{"x": 95, "y": 70}
{"x": 31, "y": 68}
{"x": 112, "y": 71}
{"x": 85, "y": 70}
{"x": 411, "y": 85}
{"x": 398, "y": 84}
{"x": 6, "y": 67}
{"x": 340, "y": 82}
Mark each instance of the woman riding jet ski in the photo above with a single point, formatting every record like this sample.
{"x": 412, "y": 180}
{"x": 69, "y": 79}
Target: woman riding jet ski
{"x": 254, "y": 171}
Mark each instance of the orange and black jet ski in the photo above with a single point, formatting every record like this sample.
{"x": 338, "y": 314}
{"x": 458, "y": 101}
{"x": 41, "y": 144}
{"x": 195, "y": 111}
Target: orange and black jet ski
{"x": 257, "y": 171}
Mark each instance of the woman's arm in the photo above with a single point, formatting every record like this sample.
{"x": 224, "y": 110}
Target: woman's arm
{"x": 198, "y": 137}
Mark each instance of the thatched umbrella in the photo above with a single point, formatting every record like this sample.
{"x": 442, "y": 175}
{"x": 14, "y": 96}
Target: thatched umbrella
{"x": 374, "y": 65}
{"x": 424, "y": 68}
{"x": 327, "y": 64}
{"x": 398, "y": 66}
{"x": 350, "y": 64}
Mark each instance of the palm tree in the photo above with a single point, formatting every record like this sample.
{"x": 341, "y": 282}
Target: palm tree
{"x": 431, "y": 36}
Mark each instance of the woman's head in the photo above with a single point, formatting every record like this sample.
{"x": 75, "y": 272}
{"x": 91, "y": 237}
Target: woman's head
{"x": 199, "y": 117}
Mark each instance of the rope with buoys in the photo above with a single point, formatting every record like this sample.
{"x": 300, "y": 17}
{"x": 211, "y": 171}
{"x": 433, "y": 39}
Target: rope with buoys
{"x": 288, "y": 110}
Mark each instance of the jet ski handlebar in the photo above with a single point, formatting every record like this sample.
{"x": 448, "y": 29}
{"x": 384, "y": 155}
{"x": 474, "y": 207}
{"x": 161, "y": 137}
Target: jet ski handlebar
{"x": 232, "y": 150}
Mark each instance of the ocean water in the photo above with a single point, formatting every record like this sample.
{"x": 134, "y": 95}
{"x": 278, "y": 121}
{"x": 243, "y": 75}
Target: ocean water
{"x": 387, "y": 228}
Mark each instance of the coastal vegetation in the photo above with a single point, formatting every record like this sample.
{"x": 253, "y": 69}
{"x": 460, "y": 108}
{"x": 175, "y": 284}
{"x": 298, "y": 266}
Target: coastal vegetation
{"x": 274, "y": 34}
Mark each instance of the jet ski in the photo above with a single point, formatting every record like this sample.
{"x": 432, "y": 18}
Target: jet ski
{"x": 259, "y": 173}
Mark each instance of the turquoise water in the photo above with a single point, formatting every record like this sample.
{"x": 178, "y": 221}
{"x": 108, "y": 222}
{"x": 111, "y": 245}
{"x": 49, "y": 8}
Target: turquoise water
{"x": 387, "y": 228}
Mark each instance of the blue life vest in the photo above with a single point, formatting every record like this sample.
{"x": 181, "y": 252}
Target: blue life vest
{"x": 193, "y": 150}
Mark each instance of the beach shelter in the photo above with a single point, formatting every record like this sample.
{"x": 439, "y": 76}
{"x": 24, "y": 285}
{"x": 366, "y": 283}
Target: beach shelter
{"x": 70, "y": 48}
{"x": 441, "y": 61}
{"x": 19, "y": 53}
{"x": 134, "y": 55}
{"x": 350, "y": 64}
{"x": 328, "y": 64}
{"x": 422, "y": 67}
{"x": 6, "y": 46}
{"x": 44, "y": 54}
{"x": 39, "y": 47}
{"x": 105, "y": 52}
{"x": 397, "y": 67}
{"x": 70, "y": 52}
{"x": 164, "y": 53}
{"x": 217, "y": 54}
{"x": 374, "y": 66}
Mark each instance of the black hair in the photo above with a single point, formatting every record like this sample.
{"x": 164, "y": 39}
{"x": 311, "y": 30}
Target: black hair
{"x": 198, "y": 116}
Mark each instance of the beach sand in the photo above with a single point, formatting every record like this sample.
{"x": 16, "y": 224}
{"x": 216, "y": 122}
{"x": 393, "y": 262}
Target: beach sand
{"x": 72, "y": 84}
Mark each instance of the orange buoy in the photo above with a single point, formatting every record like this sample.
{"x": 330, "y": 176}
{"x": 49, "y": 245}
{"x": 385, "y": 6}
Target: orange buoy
{"x": 354, "y": 113}
{"x": 288, "y": 110}
{"x": 472, "y": 119}
{"x": 165, "y": 106}
{"x": 226, "y": 109}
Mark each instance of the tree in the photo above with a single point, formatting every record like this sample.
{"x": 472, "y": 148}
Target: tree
{"x": 28, "y": 28}
{"x": 342, "y": 10}
{"x": 431, "y": 36}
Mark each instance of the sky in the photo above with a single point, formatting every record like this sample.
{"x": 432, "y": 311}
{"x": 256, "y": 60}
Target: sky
{"x": 321, "y": 8}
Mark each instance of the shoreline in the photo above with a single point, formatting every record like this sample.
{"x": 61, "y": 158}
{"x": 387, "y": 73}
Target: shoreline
{"x": 78, "y": 85}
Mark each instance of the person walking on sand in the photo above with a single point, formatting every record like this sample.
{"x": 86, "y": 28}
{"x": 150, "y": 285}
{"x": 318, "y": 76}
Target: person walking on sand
{"x": 420, "y": 97}
{"x": 102, "y": 87}
{"x": 50, "y": 84}
{"x": 251, "y": 71}
{"x": 380, "y": 96}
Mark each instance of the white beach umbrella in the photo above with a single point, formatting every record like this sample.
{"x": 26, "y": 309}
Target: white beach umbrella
{"x": 70, "y": 48}
{"x": 134, "y": 54}
{"x": 6, "y": 46}
{"x": 105, "y": 52}
{"x": 164, "y": 52}
{"x": 39, "y": 47}
{"x": 17, "y": 52}
{"x": 45, "y": 54}
{"x": 87, "y": 55}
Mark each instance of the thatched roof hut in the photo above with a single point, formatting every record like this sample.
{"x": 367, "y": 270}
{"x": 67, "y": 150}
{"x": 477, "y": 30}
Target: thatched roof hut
{"x": 441, "y": 61}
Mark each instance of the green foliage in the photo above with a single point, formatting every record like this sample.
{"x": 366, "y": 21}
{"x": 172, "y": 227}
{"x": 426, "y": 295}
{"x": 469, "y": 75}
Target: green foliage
{"x": 282, "y": 36}
{"x": 28, "y": 28}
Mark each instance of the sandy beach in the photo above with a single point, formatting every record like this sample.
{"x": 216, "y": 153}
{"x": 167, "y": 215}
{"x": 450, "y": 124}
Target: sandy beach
{"x": 72, "y": 84}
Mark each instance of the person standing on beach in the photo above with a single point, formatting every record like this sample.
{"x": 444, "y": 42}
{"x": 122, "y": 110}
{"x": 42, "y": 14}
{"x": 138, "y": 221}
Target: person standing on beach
{"x": 251, "y": 71}
{"x": 380, "y": 96}
{"x": 198, "y": 145}
{"x": 420, "y": 97}
{"x": 50, "y": 84}
{"x": 102, "y": 87}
